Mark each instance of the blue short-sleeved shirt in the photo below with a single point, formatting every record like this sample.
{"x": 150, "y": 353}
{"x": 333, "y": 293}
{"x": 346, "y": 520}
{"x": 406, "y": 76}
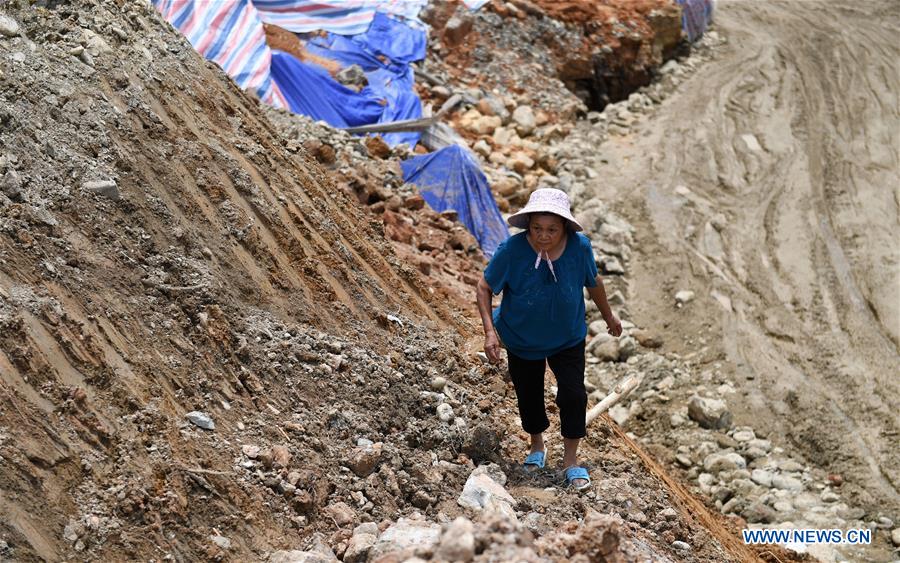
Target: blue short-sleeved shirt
{"x": 538, "y": 316}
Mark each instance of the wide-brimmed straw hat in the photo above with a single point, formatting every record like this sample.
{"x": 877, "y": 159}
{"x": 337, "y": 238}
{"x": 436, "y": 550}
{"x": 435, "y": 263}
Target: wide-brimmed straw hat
{"x": 545, "y": 200}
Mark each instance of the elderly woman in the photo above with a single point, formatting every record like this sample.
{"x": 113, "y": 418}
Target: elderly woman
{"x": 541, "y": 320}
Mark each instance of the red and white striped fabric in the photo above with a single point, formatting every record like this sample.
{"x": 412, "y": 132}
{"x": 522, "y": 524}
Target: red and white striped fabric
{"x": 229, "y": 33}
{"x": 344, "y": 17}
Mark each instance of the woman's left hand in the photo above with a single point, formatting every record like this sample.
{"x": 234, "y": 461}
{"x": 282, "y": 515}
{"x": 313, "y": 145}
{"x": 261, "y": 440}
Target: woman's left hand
{"x": 614, "y": 325}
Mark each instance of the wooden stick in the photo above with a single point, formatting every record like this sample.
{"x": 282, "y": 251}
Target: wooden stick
{"x": 619, "y": 391}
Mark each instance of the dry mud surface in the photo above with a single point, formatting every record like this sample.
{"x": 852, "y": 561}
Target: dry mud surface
{"x": 787, "y": 145}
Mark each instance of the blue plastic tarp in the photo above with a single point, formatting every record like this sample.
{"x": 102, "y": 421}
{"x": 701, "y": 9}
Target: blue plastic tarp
{"x": 384, "y": 52}
{"x": 451, "y": 179}
{"x": 310, "y": 90}
{"x": 696, "y": 16}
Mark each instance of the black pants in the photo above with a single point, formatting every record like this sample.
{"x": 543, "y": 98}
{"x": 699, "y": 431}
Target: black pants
{"x": 528, "y": 378}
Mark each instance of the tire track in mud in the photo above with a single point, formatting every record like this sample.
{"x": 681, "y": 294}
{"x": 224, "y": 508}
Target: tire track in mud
{"x": 792, "y": 134}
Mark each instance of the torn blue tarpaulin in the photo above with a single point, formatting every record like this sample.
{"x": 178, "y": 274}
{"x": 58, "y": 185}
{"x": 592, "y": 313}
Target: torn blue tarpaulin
{"x": 310, "y": 90}
{"x": 383, "y": 52}
{"x": 696, "y": 16}
{"x": 451, "y": 179}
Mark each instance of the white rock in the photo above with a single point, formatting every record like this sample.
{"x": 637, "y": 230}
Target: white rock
{"x": 743, "y": 435}
{"x": 761, "y": 477}
{"x": 764, "y": 445}
{"x": 525, "y": 120}
{"x": 751, "y": 142}
{"x": 787, "y": 483}
{"x": 106, "y": 188}
{"x": 484, "y": 491}
{"x": 404, "y": 534}
{"x": 619, "y": 414}
{"x": 8, "y": 26}
{"x": 684, "y": 297}
{"x": 724, "y": 462}
{"x": 445, "y": 412}
{"x": 895, "y": 536}
{"x": 482, "y": 148}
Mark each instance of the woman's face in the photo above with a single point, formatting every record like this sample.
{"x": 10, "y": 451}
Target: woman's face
{"x": 546, "y": 230}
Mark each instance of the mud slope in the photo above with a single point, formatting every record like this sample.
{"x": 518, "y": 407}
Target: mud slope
{"x": 788, "y": 147}
{"x": 151, "y": 299}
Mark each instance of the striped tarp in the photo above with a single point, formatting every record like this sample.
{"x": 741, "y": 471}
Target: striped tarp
{"x": 229, "y": 33}
{"x": 344, "y": 17}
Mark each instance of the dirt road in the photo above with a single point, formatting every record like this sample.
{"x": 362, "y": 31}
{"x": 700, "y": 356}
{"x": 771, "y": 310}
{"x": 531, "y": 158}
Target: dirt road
{"x": 768, "y": 184}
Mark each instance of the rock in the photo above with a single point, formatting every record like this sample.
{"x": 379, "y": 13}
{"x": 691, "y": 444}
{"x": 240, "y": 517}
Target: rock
{"x": 597, "y": 327}
{"x": 377, "y": 147}
{"x": 457, "y": 543}
{"x": 709, "y": 413}
{"x": 751, "y": 142}
{"x": 758, "y": 513}
{"x": 684, "y": 297}
{"x": 438, "y": 384}
{"x": 281, "y": 457}
{"x": 11, "y": 185}
{"x": 456, "y": 29}
{"x": 441, "y": 92}
{"x": 743, "y": 435}
{"x": 363, "y": 460}
{"x": 221, "y": 541}
{"x": 605, "y": 347}
{"x": 611, "y": 265}
{"x": 627, "y": 348}
{"x": 681, "y": 546}
{"x": 484, "y": 491}
{"x": 493, "y": 106}
{"x": 201, "y": 420}
{"x": 414, "y": 202}
{"x": 787, "y": 483}
{"x": 525, "y": 121}
{"x": 783, "y": 506}
{"x": 361, "y": 543}
{"x": 647, "y": 339}
{"x": 484, "y": 125}
{"x": 8, "y": 26}
{"x": 619, "y": 414}
{"x": 107, "y": 188}
{"x": 252, "y": 452}
{"x": 521, "y": 162}
{"x": 669, "y": 513}
{"x": 353, "y": 76}
{"x": 406, "y": 534}
{"x": 482, "y": 148}
{"x": 301, "y": 557}
{"x": 789, "y": 465}
{"x": 445, "y": 412}
{"x": 724, "y": 462}
{"x": 830, "y": 497}
{"x": 758, "y": 443}
{"x": 761, "y": 477}
{"x": 895, "y": 536}
{"x": 341, "y": 513}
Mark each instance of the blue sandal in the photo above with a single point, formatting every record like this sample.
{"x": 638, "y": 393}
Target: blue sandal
{"x": 573, "y": 474}
{"x": 535, "y": 460}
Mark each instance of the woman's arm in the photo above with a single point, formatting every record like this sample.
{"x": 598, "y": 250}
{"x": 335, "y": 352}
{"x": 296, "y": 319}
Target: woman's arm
{"x": 484, "y": 296}
{"x": 598, "y": 295}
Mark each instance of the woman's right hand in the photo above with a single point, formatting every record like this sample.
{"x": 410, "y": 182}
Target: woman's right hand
{"x": 492, "y": 347}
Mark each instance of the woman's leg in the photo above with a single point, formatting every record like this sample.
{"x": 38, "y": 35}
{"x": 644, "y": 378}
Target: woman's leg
{"x": 571, "y": 397}
{"x": 528, "y": 379}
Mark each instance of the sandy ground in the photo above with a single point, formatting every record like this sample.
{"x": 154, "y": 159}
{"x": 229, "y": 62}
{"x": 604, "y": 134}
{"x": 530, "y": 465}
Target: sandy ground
{"x": 787, "y": 230}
